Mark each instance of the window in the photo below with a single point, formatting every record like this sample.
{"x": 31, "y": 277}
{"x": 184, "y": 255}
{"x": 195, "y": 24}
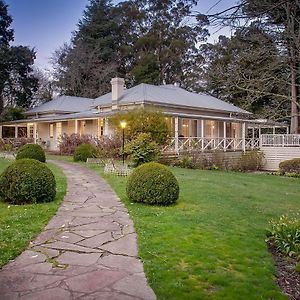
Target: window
{"x": 51, "y": 131}
{"x": 58, "y": 129}
{"x": 100, "y": 127}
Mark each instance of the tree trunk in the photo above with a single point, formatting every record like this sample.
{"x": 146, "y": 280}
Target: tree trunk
{"x": 294, "y": 108}
{"x": 294, "y": 59}
{"x": 1, "y": 104}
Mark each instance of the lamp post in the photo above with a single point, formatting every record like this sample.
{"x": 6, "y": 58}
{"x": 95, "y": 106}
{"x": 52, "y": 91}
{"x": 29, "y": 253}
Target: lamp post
{"x": 123, "y": 125}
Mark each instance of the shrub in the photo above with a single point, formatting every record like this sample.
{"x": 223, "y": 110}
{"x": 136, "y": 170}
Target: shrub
{"x": 143, "y": 121}
{"x": 32, "y": 151}
{"x": 152, "y": 183}
{"x": 84, "y": 151}
{"x": 109, "y": 147}
{"x": 291, "y": 166}
{"x": 250, "y": 161}
{"x": 68, "y": 143}
{"x": 27, "y": 181}
{"x": 285, "y": 235}
{"x": 186, "y": 162}
{"x": 142, "y": 149}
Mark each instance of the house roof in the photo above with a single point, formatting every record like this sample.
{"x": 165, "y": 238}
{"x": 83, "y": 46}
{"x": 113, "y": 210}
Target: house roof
{"x": 170, "y": 95}
{"x": 63, "y": 104}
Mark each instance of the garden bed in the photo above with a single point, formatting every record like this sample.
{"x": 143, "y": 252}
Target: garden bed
{"x": 287, "y": 277}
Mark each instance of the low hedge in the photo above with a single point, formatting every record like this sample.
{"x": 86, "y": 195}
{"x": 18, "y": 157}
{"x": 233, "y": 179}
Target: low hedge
{"x": 84, "y": 151}
{"x": 27, "y": 181}
{"x": 152, "y": 183}
{"x": 32, "y": 151}
{"x": 291, "y": 166}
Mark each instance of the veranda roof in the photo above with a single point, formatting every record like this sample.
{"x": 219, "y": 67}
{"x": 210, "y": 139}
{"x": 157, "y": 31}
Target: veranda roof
{"x": 63, "y": 104}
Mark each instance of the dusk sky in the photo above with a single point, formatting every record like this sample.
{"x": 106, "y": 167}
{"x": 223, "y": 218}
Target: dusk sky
{"x": 46, "y": 25}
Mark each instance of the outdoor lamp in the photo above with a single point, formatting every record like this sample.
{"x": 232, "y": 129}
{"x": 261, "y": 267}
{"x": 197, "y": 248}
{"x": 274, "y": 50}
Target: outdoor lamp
{"x": 123, "y": 125}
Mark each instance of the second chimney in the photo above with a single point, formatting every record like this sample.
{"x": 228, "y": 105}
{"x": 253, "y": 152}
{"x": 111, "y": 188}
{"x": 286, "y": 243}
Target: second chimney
{"x": 117, "y": 90}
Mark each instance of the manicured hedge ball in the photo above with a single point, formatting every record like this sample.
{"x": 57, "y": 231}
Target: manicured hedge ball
{"x": 84, "y": 151}
{"x": 32, "y": 151}
{"x": 152, "y": 183}
{"x": 27, "y": 181}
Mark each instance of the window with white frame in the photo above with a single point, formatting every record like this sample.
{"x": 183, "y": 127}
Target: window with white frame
{"x": 51, "y": 130}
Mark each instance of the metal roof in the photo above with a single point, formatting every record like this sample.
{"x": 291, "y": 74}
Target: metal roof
{"x": 170, "y": 95}
{"x": 88, "y": 114}
{"x": 66, "y": 104}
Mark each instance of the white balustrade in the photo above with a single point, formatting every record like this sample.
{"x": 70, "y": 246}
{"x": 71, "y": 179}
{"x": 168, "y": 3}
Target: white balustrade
{"x": 208, "y": 144}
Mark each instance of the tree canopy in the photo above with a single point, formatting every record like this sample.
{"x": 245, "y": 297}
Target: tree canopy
{"x": 142, "y": 40}
{"x": 281, "y": 20}
{"x": 17, "y": 81}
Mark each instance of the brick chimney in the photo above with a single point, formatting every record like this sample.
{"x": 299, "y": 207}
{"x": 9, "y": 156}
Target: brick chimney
{"x": 117, "y": 89}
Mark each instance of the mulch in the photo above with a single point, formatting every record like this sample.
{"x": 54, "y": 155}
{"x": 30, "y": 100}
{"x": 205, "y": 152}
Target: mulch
{"x": 287, "y": 278}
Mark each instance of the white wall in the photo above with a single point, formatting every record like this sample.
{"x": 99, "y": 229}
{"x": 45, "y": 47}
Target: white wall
{"x": 274, "y": 155}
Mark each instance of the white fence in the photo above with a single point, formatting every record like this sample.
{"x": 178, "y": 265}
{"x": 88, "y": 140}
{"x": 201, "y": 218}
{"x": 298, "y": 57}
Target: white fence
{"x": 280, "y": 140}
{"x": 209, "y": 144}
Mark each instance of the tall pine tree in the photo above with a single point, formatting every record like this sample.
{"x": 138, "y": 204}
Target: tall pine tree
{"x": 85, "y": 67}
{"x": 147, "y": 41}
{"x": 17, "y": 82}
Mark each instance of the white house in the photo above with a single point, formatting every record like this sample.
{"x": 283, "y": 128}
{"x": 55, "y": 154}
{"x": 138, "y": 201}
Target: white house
{"x": 196, "y": 120}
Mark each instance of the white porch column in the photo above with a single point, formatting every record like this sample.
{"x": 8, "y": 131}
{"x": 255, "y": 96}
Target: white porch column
{"x": 274, "y": 130}
{"x": 202, "y": 135}
{"x": 76, "y": 127}
{"x": 244, "y": 136}
{"x": 259, "y": 136}
{"x": 224, "y": 135}
{"x": 16, "y": 132}
{"x": 34, "y": 133}
{"x": 287, "y": 130}
{"x": 0, "y": 132}
{"x": 176, "y": 134}
{"x": 106, "y": 127}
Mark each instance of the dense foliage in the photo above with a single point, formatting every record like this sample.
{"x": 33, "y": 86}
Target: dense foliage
{"x": 142, "y": 149}
{"x": 248, "y": 70}
{"x": 84, "y": 151}
{"x": 290, "y": 167}
{"x": 279, "y": 21}
{"x": 68, "y": 143}
{"x": 284, "y": 234}
{"x": 144, "y": 41}
{"x": 152, "y": 183}
{"x": 32, "y": 151}
{"x": 109, "y": 147}
{"x": 250, "y": 161}
{"x": 27, "y": 181}
{"x": 17, "y": 81}
{"x": 142, "y": 121}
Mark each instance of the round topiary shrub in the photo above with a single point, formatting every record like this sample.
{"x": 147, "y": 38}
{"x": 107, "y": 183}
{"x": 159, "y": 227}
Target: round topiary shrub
{"x": 27, "y": 181}
{"x": 32, "y": 151}
{"x": 84, "y": 151}
{"x": 152, "y": 183}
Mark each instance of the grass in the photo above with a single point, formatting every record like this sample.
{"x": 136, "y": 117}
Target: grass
{"x": 20, "y": 224}
{"x": 210, "y": 245}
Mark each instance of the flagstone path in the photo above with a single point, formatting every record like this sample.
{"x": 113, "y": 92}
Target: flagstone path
{"x": 87, "y": 251}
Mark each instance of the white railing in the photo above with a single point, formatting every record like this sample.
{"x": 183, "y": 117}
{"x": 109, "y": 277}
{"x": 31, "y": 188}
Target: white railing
{"x": 210, "y": 144}
{"x": 280, "y": 140}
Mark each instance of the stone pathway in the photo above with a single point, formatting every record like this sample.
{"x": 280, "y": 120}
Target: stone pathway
{"x": 87, "y": 251}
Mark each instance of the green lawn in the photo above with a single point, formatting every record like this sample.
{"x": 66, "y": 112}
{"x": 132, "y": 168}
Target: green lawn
{"x": 20, "y": 224}
{"x": 211, "y": 244}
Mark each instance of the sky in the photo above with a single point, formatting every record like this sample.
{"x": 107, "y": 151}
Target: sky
{"x": 45, "y": 25}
